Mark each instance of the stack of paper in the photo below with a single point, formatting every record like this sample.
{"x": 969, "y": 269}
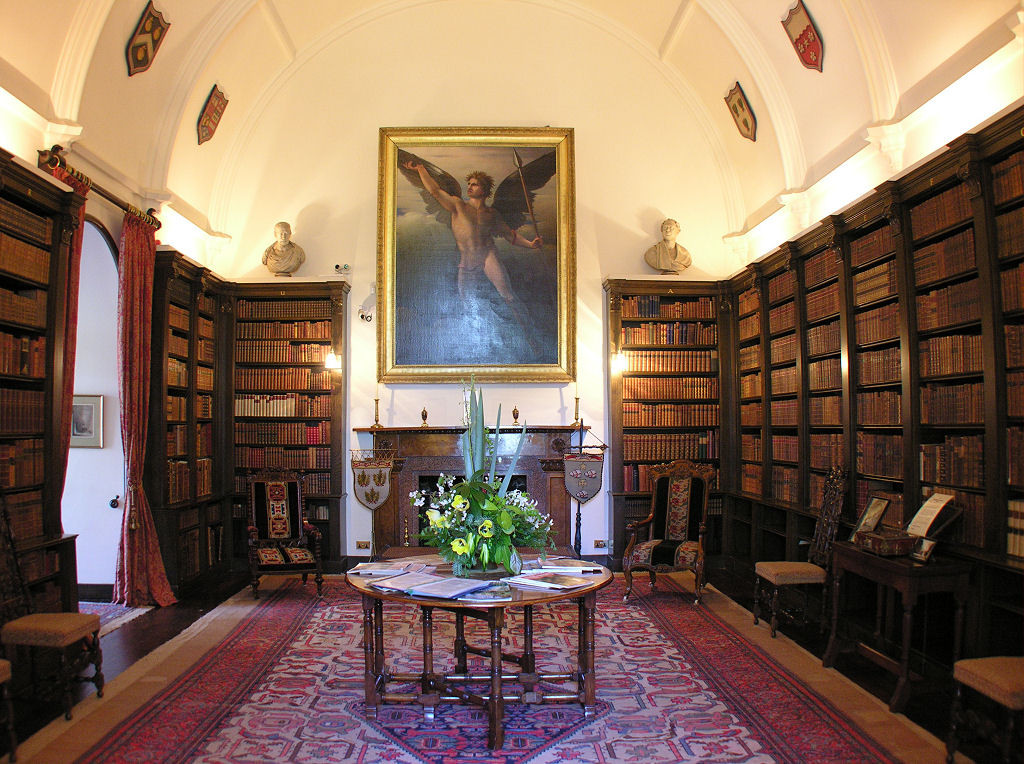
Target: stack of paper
{"x": 562, "y": 565}
{"x": 547, "y": 580}
{"x": 386, "y": 568}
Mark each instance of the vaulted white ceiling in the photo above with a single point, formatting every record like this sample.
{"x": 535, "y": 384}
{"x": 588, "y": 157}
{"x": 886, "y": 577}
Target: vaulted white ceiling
{"x": 310, "y": 82}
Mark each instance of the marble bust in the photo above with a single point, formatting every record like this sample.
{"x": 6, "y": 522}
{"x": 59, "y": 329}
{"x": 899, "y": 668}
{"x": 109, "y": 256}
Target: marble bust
{"x": 667, "y": 256}
{"x": 284, "y": 256}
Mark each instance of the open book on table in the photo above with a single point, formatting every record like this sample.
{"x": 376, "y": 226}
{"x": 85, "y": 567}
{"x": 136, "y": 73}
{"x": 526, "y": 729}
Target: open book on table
{"x": 430, "y": 585}
{"x": 562, "y": 565}
{"x": 386, "y": 568}
{"x": 547, "y": 580}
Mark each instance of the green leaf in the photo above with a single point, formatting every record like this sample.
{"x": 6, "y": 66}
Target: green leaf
{"x": 515, "y": 458}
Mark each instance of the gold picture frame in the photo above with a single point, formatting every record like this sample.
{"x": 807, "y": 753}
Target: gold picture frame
{"x": 472, "y": 284}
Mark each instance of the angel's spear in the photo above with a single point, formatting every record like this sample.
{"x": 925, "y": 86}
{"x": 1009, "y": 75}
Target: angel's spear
{"x": 529, "y": 204}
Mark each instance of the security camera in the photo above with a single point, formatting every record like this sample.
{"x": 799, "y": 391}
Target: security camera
{"x": 369, "y": 305}
{"x": 341, "y": 268}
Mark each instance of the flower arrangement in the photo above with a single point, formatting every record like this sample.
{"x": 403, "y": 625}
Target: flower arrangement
{"x": 479, "y": 521}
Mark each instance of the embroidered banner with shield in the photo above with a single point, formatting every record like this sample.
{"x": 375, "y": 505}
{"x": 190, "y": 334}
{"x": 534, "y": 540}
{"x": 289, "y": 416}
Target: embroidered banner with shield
{"x": 371, "y": 479}
{"x": 583, "y": 472}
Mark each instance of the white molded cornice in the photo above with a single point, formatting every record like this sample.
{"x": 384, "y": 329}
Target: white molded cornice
{"x": 874, "y": 55}
{"x": 76, "y": 55}
{"x": 891, "y": 140}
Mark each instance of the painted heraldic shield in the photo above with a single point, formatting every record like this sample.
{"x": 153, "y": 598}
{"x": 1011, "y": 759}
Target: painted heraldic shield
{"x": 583, "y": 475}
{"x": 210, "y": 116}
{"x": 805, "y": 36}
{"x": 372, "y": 479}
{"x": 741, "y": 112}
{"x": 145, "y": 40}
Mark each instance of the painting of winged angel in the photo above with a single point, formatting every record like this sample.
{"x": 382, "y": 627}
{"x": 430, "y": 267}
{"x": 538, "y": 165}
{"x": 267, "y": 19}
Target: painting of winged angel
{"x": 476, "y": 271}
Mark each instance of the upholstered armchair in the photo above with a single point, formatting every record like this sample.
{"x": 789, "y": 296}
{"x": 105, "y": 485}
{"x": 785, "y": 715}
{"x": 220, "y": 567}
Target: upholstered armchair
{"x": 280, "y": 539}
{"x": 671, "y": 537}
{"x": 816, "y": 571}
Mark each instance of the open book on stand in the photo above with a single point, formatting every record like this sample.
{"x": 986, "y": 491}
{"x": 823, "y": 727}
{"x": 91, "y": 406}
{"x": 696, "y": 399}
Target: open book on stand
{"x": 935, "y": 514}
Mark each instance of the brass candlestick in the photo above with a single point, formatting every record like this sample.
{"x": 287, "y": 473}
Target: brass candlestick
{"x": 576, "y": 418}
{"x": 423, "y": 416}
{"x": 515, "y": 415}
{"x": 406, "y": 521}
{"x": 376, "y": 415}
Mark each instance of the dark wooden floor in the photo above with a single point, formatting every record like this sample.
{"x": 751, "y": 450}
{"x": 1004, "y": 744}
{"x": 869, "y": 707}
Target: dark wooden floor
{"x": 928, "y": 705}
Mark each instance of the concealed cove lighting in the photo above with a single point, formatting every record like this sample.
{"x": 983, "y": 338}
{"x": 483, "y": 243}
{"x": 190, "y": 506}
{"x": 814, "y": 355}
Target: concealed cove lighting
{"x": 618, "y": 362}
{"x": 332, "y": 361}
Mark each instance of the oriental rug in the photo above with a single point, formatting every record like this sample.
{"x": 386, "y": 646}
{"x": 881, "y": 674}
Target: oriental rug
{"x": 676, "y": 682}
{"x": 112, "y": 616}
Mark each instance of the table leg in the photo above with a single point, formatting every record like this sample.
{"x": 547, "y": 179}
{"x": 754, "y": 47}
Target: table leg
{"x": 496, "y": 704}
{"x": 372, "y": 698}
{"x": 833, "y": 639}
{"x": 902, "y": 691}
{"x": 588, "y": 682}
{"x": 426, "y": 681}
{"x": 529, "y": 664}
{"x": 378, "y": 631}
{"x": 461, "y": 666}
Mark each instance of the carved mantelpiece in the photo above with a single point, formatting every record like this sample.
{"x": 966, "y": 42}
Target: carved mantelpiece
{"x": 429, "y": 451}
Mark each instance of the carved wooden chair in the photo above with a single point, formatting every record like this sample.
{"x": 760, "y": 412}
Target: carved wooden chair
{"x": 999, "y": 678}
{"x": 817, "y": 570}
{"x": 280, "y": 539}
{"x": 58, "y": 646}
{"x": 671, "y": 537}
{"x": 7, "y": 710}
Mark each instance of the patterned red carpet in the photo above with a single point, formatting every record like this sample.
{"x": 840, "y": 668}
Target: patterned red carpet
{"x": 674, "y": 684}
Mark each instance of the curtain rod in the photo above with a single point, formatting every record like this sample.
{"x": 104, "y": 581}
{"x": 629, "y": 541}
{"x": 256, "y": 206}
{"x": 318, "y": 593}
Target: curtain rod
{"x": 53, "y": 158}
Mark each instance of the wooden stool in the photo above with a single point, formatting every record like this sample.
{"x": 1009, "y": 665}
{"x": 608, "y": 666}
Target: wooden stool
{"x": 6, "y": 709}
{"x": 1000, "y": 678}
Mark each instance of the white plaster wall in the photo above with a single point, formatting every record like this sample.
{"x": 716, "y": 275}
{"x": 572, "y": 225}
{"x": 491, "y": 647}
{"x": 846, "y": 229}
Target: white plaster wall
{"x": 96, "y": 475}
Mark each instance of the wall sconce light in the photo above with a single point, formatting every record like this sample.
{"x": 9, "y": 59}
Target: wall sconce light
{"x": 332, "y": 361}
{"x": 618, "y": 364}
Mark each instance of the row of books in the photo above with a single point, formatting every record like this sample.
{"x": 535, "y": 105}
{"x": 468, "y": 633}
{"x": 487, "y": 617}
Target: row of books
{"x": 825, "y": 374}
{"x": 827, "y": 449}
{"x": 751, "y": 478}
{"x": 636, "y": 478}
{"x": 22, "y": 411}
{"x": 298, "y": 310}
{"x": 871, "y": 246}
{"x": 318, "y": 510}
{"x": 750, "y": 326}
{"x": 822, "y": 302}
{"x": 784, "y": 349}
{"x": 750, "y": 357}
{"x": 21, "y": 221}
{"x": 785, "y": 484}
{"x": 20, "y": 258}
{"x": 750, "y": 414}
{"x": 282, "y": 404}
{"x": 954, "y": 304}
{"x": 945, "y": 258}
{"x": 204, "y": 438}
{"x": 313, "y": 484}
{"x": 751, "y": 448}
{"x": 781, "y": 318}
{"x": 750, "y": 385}
{"x": 214, "y": 544}
{"x": 204, "y": 476}
{"x": 675, "y": 333}
{"x": 786, "y": 448}
{"x": 24, "y": 306}
{"x": 1008, "y": 178}
{"x": 670, "y": 415}
{"x": 1014, "y": 344}
{"x": 205, "y": 350}
{"x": 21, "y": 355}
{"x": 176, "y": 409}
{"x": 823, "y": 410}
{"x": 25, "y": 510}
{"x": 940, "y": 211}
{"x": 1010, "y": 233}
{"x": 205, "y": 327}
{"x": 880, "y": 407}
{"x": 204, "y": 406}
{"x": 179, "y": 481}
{"x": 1012, "y": 281}
{"x": 37, "y": 564}
{"x": 178, "y": 317}
{"x": 875, "y": 283}
{"x": 317, "y": 483}
{"x": 281, "y": 457}
{"x": 272, "y": 330}
{"x": 749, "y": 300}
{"x": 204, "y": 378}
{"x": 672, "y": 360}
{"x": 1014, "y": 448}
{"x": 206, "y": 303}
{"x": 177, "y": 344}
{"x": 959, "y": 460}
{"x": 1015, "y": 393}
{"x": 665, "y": 447}
{"x": 880, "y": 454}
{"x": 784, "y": 380}
{"x": 821, "y": 267}
{"x": 785, "y": 413}
{"x": 951, "y": 354}
{"x": 879, "y": 366}
{"x": 878, "y": 325}
{"x": 781, "y": 286}
{"x": 1015, "y": 528}
{"x": 893, "y": 517}
{"x": 283, "y": 433}
{"x": 177, "y": 372}
{"x": 669, "y": 387}
{"x": 970, "y": 527}
{"x": 280, "y": 351}
{"x": 823, "y": 338}
{"x": 655, "y": 306}
{"x": 177, "y": 440}
{"x": 283, "y": 378}
{"x": 188, "y": 554}
{"x": 953, "y": 404}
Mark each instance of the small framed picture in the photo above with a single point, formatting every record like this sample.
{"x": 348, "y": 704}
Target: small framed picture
{"x": 923, "y": 549}
{"x": 87, "y": 421}
{"x": 871, "y": 515}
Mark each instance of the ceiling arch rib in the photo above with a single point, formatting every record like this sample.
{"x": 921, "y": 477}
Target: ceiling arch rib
{"x": 731, "y": 189}
{"x": 780, "y": 110}
{"x": 223, "y": 19}
{"x": 874, "y": 56}
{"x": 75, "y": 54}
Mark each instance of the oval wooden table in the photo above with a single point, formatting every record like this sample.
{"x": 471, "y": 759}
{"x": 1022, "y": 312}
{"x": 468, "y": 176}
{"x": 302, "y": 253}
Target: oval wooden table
{"x": 435, "y": 687}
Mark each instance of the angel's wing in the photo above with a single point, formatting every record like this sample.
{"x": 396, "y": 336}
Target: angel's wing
{"x": 510, "y": 200}
{"x": 444, "y": 180}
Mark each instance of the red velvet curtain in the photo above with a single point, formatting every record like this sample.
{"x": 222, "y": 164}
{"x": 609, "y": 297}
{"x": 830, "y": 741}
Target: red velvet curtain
{"x": 70, "y": 320}
{"x": 141, "y": 578}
